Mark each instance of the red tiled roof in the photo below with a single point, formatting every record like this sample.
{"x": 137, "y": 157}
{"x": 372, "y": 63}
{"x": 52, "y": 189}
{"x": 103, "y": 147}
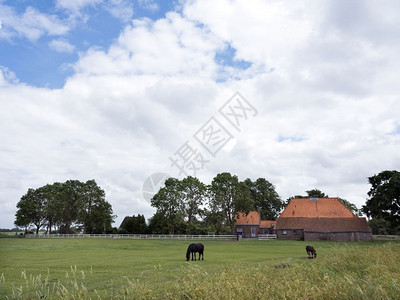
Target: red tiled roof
{"x": 267, "y": 224}
{"x": 324, "y": 224}
{"x": 252, "y": 218}
{"x": 316, "y": 208}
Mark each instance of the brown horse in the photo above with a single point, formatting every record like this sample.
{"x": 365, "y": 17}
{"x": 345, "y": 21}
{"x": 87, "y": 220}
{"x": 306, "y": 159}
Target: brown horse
{"x": 312, "y": 253}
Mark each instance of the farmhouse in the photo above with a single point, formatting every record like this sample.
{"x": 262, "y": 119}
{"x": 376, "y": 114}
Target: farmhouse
{"x": 321, "y": 219}
{"x": 251, "y": 225}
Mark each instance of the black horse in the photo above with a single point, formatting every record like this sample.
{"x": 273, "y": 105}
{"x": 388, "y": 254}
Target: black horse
{"x": 311, "y": 252}
{"x": 193, "y": 248}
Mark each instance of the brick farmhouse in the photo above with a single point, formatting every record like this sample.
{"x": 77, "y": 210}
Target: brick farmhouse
{"x": 321, "y": 219}
{"x": 252, "y": 226}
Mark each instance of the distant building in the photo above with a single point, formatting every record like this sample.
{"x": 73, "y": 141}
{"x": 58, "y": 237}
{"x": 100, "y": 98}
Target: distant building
{"x": 250, "y": 225}
{"x": 321, "y": 219}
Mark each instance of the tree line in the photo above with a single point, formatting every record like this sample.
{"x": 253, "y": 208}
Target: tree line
{"x": 189, "y": 206}
{"x": 193, "y": 207}
{"x": 65, "y": 207}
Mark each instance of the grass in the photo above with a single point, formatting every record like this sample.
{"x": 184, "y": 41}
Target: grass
{"x": 156, "y": 269}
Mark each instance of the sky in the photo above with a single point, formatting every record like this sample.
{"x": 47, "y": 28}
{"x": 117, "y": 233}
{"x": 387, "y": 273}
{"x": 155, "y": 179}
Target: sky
{"x": 305, "y": 94}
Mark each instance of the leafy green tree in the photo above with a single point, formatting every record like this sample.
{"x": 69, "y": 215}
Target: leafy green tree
{"x": 384, "y": 199}
{"x": 31, "y": 209}
{"x": 64, "y": 204}
{"x": 95, "y": 212}
{"x": 53, "y": 211}
{"x": 159, "y": 224}
{"x": 193, "y": 192}
{"x": 214, "y": 221}
{"x": 230, "y": 196}
{"x": 71, "y": 201}
{"x": 316, "y": 194}
{"x": 379, "y": 226}
{"x": 168, "y": 201}
{"x": 266, "y": 199}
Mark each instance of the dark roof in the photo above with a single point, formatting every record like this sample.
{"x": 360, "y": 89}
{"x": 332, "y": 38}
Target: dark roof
{"x": 324, "y": 224}
{"x": 124, "y": 222}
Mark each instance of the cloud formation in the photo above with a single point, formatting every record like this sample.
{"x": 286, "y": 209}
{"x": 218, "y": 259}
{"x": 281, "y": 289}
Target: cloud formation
{"x": 322, "y": 76}
{"x": 31, "y": 24}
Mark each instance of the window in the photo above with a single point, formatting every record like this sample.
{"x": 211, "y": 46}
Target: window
{"x": 294, "y": 231}
{"x": 284, "y": 232}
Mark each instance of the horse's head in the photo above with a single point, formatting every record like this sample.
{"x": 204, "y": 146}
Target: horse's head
{"x": 188, "y": 253}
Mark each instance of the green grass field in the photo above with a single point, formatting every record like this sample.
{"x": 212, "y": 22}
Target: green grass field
{"x": 154, "y": 269}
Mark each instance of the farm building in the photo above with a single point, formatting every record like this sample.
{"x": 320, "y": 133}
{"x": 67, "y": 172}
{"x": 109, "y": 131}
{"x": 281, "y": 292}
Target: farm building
{"x": 251, "y": 225}
{"x": 321, "y": 219}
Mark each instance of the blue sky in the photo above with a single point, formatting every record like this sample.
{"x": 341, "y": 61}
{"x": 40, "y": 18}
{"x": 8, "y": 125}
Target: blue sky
{"x": 112, "y": 89}
{"x": 37, "y": 63}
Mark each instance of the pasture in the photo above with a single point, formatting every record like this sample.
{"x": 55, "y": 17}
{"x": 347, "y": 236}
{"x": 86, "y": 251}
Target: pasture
{"x": 157, "y": 269}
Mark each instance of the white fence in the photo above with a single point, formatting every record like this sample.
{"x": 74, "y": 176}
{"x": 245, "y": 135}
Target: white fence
{"x": 266, "y": 236}
{"x": 134, "y": 236}
{"x": 147, "y": 236}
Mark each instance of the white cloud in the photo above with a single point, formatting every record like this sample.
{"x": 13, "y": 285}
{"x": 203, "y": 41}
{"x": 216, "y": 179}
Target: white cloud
{"x": 32, "y": 24}
{"x": 7, "y": 76}
{"x": 326, "y": 95}
{"x": 149, "y": 5}
{"x": 120, "y": 9}
{"x": 170, "y": 46}
{"x": 61, "y": 45}
{"x": 76, "y": 5}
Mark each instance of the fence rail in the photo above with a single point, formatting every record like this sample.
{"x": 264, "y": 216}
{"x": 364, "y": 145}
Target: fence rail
{"x": 134, "y": 236}
{"x": 266, "y": 236}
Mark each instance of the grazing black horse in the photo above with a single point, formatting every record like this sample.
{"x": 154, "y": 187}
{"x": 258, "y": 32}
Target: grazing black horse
{"x": 311, "y": 252}
{"x": 193, "y": 248}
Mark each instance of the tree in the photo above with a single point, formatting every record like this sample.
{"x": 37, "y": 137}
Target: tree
{"x": 315, "y": 193}
{"x": 230, "y": 196}
{"x": 384, "y": 199}
{"x": 64, "y": 204}
{"x": 192, "y": 193}
{"x": 71, "y": 200}
{"x": 31, "y": 209}
{"x": 159, "y": 224}
{"x": 379, "y": 226}
{"x": 168, "y": 201}
{"x": 95, "y": 212}
{"x": 266, "y": 199}
{"x": 350, "y": 206}
{"x": 53, "y": 212}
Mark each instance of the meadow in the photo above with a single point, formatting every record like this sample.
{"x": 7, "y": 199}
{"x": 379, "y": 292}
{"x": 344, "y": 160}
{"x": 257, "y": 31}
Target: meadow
{"x": 157, "y": 269}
